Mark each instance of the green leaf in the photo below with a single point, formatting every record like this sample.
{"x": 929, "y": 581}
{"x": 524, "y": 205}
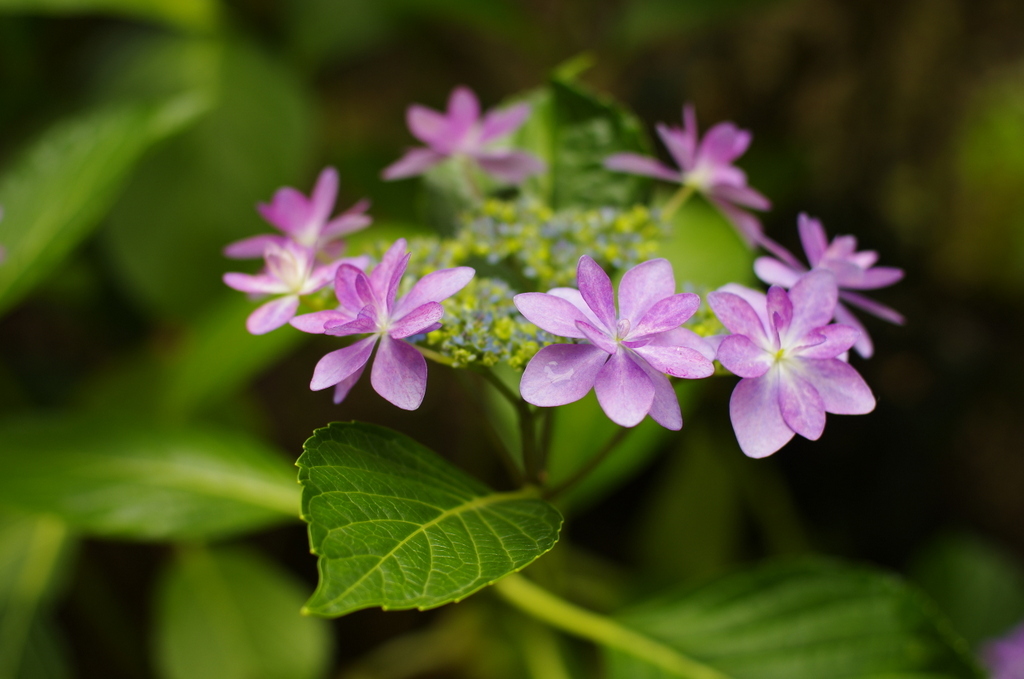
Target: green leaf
{"x": 129, "y": 480}
{"x": 197, "y": 193}
{"x": 189, "y": 14}
{"x": 398, "y": 527}
{"x": 33, "y": 553}
{"x": 705, "y": 249}
{"x": 806, "y": 619}
{"x": 979, "y": 586}
{"x": 232, "y": 614}
{"x": 586, "y": 129}
{"x": 66, "y": 182}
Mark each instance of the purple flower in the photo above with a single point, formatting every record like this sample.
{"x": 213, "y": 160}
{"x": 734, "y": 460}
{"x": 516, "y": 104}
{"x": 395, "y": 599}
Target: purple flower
{"x": 1005, "y": 657}
{"x": 291, "y": 271}
{"x": 853, "y": 271}
{"x": 706, "y": 165}
{"x": 788, "y": 356}
{"x": 626, "y": 354}
{"x": 305, "y": 221}
{"x": 367, "y": 305}
{"x": 461, "y": 132}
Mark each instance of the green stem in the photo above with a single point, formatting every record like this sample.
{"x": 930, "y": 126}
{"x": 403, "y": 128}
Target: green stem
{"x": 676, "y": 201}
{"x": 559, "y": 613}
{"x": 511, "y": 466}
{"x": 466, "y": 163}
{"x": 590, "y": 465}
{"x": 432, "y": 355}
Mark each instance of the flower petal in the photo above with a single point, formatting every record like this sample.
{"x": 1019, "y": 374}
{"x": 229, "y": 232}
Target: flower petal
{"x": 399, "y": 373}
{"x": 499, "y": 122}
{"x": 668, "y": 313}
{"x": 684, "y": 337}
{"x": 272, "y": 315}
{"x": 634, "y": 163}
{"x": 597, "y": 337}
{"x": 383, "y": 274}
{"x": 252, "y": 248}
{"x": 551, "y": 313}
{"x": 814, "y": 299}
{"x": 561, "y": 374}
{"x": 722, "y": 144}
{"x": 681, "y": 143}
{"x": 802, "y": 408}
{"x": 288, "y": 211}
{"x": 774, "y": 272}
{"x": 738, "y": 315}
{"x": 363, "y": 323}
{"x": 573, "y": 296}
{"x": 416, "y": 320}
{"x": 863, "y": 346}
{"x": 463, "y": 112}
{"x": 747, "y": 225}
{"x": 744, "y": 358}
{"x": 259, "y": 284}
{"x": 314, "y": 322}
{"x": 427, "y": 125}
{"x": 436, "y": 286}
{"x": 511, "y": 167}
{"x": 780, "y": 310}
{"x": 644, "y": 285}
{"x": 812, "y": 235}
{"x": 677, "y": 361}
{"x": 337, "y": 365}
{"x": 321, "y": 202}
{"x": 843, "y": 391}
{"x": 878, "y": 277}
{"x": 838, "y": 339}
{"x": 742, "y": 195}
{"x": 624, "y": 390}
{"x": 596, "y": 288}
{"x": 665, "y": 407}
{"x": 756, "y": 417}
{"x": 872, "y": 307}
{"x": 415, "y": 161}
{"x": 342, "y": 388}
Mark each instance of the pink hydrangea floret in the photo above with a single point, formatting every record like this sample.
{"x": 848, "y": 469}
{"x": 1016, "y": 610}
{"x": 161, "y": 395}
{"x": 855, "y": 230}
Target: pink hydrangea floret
{"x": 626, "y": 353}
{"x": 368, "y": 305}
{"x": 462, "y": 132}
{"x": 305, "y": 221}
{"x": 853, "y": 271}
{"x": 791, "y": 360}
{"x": 706, "y": 165}
{"x": 1004, "y": 657}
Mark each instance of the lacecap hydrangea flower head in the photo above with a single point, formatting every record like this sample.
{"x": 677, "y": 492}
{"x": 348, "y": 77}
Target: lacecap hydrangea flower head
{"x": 790, "y": 357}
{"x": 626, "y": 353}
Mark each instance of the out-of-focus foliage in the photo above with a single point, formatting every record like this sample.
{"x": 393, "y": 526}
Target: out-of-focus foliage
{"x": 189, "y": 14}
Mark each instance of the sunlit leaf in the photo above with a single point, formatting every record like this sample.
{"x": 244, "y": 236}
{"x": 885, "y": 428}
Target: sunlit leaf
{"x": 189, "y": 14}
{"x": 801, "y": 620}
{"x": 129, "y": 480}
{"x": 64, "y": 185}
{"x": 231, "y": 614}
{"x": 396, "y": 526}
{"x": 705, "y": 249}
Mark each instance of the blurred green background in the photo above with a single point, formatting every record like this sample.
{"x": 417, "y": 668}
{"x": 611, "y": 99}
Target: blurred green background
{"x": 137, "y": 136}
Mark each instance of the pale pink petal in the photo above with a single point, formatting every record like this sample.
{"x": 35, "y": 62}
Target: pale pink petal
{"x": 551, "y": 313}
{"x": 382, "y": 275}
{"x": 838, "y": 339}
{"x": 757, "y": 300}
{"x": 665, "y": 407}
{"x": 511, "y": 167}
{"x": 344, "y": 225}
{"x": 463, "y": 112}
{"x": 415, "y": 161}
{"x": 784, "y": 255}
{"x": 596, "y": 288}
{"x": 497, "y": 123}
{"x": 259, "y": 283}
{"x": 668, "y": 313}
{"x": 681, "y": 145}
{"x": 624, "y": 390}
{"x": 427, "y": 125}
{"x": 872, "y": 307}
{"x": 361, "y": 324}
{"x": 878, "y": 277}
{"x": 843, "y": 391}
{"x": 642, "y": 286}
{"x": 634, "y": 163}
{"x": 814, "y": 299}
{"x": 684, "y": 337}
{"x": 561, "y": 374}
{"x": 742, "y": 195}
{"x": 748, "y": 226}
{"x": 812, "y": 235}
{"x": 399, "y": 373}
{"x": 742, "y": 357}
{"x": 342, "y": 388}
{"x": 756, "y": 416}
{"x": 288, "y": 211}
{"x": 573, "y": 296}
{"x": 324, "y": 194}
{"x": 337, "y": 365}
{"x": 272, "y": 315}
{"x": 689, "y": 138}
{"x": 780, "y": 310}
{"x": 774, "y": 272}
{"x": 738, "y": 316}
{"x": 314, "y": 322}
{"x": 802, "y": 408}
{"x": 320, "y": 277}
{"x": 252, "y": 248}
{"x": 417, "y": 320}
{"x": 723, "y": 144}
{"x": 677, "y": 361}
{"x": 863, "y": 346}
{"x": 396, "y": 280}
{"x": 436, "y": 286}
{"x": 346, "y": 289}
{"x": 597, "y": 337}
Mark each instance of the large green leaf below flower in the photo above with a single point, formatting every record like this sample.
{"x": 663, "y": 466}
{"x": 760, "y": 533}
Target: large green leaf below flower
{"x": 396, "y": 526}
